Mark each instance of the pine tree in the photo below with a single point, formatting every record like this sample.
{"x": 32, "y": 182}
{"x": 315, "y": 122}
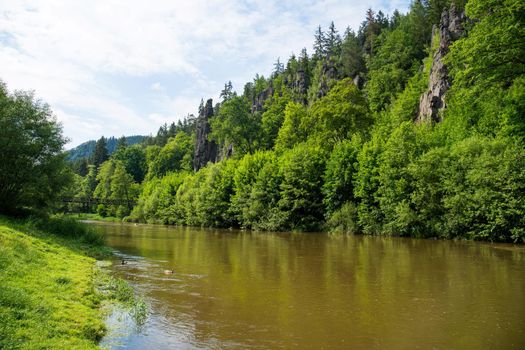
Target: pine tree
{"x": 332, "y": 41}
{"x": 304, "y": 60}
{"x": 100, "y": 155}
{"x": 227, "y": 93}
{"x": 369, "y": 30}
{"x": 162, "y": 135}
{"x": 278, "y": 67}
{"x": 351, "y": 58}
{"x": 122, "y": 143}
{"x": 83, "y": 167}
{"x": 319, "y": 43}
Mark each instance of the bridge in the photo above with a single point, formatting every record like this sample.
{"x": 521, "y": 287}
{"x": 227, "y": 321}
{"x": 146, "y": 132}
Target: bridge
{"x": 94, "y": 200}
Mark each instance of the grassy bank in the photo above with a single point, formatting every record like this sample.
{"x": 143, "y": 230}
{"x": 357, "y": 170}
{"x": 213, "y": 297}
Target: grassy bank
{"x": 92, "y": 216}
{"x": 50, "y": 289}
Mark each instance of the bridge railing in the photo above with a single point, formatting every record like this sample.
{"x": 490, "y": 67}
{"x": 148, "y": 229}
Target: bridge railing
{"x": 94, "y": 200}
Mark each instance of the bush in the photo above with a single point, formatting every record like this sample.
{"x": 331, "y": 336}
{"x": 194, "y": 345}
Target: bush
{"x": 344, "y": 220}
{"x": 69, "y": 228}
{"x": 338, "y": 178}
{"x": 301, "y": 202}
{"x": 485, "y": 190}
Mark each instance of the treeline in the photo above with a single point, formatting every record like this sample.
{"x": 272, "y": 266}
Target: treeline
{"x": 84, "y": 151}
{"x": 336, "y": 139}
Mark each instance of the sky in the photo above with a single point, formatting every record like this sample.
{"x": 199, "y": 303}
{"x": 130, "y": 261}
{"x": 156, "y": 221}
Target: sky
{"x": 126, "y": 67}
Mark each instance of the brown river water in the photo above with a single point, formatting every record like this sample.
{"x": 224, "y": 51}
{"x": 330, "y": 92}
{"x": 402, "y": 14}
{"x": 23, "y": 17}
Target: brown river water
{"x": 245, "y": 290}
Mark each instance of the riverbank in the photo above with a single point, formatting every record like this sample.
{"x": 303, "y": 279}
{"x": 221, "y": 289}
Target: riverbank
{"x": 92, "y": 216}
{"x": 51, "y": 291}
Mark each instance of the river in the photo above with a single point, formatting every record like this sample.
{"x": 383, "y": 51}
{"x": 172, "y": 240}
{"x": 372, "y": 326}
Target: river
{"x": 247, "y": 290}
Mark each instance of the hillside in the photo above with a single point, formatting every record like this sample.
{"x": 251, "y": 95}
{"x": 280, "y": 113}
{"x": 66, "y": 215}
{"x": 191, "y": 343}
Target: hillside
{"x": 412, "y": 126}
{"x": 85, "y": 149}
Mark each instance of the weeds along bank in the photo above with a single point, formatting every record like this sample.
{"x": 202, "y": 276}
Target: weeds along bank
{"x": 51, "y": 292}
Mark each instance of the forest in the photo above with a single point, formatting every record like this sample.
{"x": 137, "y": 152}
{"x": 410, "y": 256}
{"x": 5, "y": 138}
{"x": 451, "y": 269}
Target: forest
{"x": 412, "y": 126}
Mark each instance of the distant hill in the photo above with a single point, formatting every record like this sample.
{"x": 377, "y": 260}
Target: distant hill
{"x": 85, "y": 149}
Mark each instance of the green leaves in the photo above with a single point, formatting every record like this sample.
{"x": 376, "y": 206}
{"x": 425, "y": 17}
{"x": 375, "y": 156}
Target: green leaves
{"x": 494, "y": 50}
{"x": 115, "y": 183}
{"x": 32, "y": 166}
{"x": 340, "y": 113}
{"x": 302, "y": 170}
{"x": 176, "y": 155}
{"x": 236, "y": 125}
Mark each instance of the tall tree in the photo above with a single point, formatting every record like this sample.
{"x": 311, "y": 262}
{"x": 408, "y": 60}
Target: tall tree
{"x": 236, "y": 125}
{"x": 100, "y": 154}
{"x": 278, "y": 67}
{"x": 32, "y": 162}
{"x": 134, "y": 160}
{"x": 352, "y": 61}
{"x": 319, "y": 43}
{"x": 333, "y": 41}
{"x": 121, "y": 143}
{"x": 227, "y": 93}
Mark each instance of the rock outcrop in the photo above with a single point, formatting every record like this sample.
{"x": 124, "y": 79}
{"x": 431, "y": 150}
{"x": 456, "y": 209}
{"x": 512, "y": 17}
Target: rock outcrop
{"x": 299, "y": 85}
{"x": 358, "y": 81}
{"x": 205, "y": 150}
{"x": 328, "y": 74}
{"x": 258, "y": 102}
{"x": 433, "y": 101}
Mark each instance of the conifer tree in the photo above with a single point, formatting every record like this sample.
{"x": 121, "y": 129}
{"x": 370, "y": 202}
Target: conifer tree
{"x": 121, "y": 143}
{"x": 227, "y": 93}
{"x": 319, "y": 43}
{"x": 332, "y": 41}
{"x": 100, "y": 155}
{"x": 278, "y": 67}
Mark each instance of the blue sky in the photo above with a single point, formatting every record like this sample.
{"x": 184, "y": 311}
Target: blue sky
{"x": 117, "y": 68}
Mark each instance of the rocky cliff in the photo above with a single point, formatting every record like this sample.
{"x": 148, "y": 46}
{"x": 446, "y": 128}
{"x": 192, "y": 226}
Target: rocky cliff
{"x": 205, "y": 150}
{"x": 433, "y": 101}
{"x": 328, "y": 74}
{"x": 258, "y": 102}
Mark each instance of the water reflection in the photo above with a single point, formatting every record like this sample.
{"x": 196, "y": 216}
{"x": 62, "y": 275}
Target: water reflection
{"x": 241, "y": 290}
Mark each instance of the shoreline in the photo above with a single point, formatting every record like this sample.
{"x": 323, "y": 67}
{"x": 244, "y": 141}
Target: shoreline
{"x": 54, "y": 292}
{"x": 95, "y": 218}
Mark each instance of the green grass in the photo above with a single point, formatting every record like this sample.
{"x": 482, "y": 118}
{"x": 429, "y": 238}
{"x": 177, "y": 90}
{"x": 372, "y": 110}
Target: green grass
{"x": 92, "y": 216}
{"x": 50, "y": 289}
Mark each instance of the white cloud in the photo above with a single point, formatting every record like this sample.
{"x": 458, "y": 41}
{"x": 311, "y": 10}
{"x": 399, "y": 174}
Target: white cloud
{"x": 79, "y": 55}
{"x": 156, "y": 87}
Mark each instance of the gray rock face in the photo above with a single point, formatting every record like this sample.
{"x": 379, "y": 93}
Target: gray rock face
{"x": 205, "y": 150}
{"x": 328, "y": 74}
{"x": 432, "y": 101}
{"x": 300, "y": 86}
{"x": 358, "y": 81}
{"x": 258, "y": 103}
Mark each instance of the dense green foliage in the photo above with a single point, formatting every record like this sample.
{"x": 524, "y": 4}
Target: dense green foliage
{"x": 32, "y": 166}
{"x": 330, "y": 141}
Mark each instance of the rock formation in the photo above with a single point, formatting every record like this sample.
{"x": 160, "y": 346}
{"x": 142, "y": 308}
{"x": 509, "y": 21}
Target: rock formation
{"x": 299, "y": 85}
{"x": 205, "y": 150}
{"x": 432, "y": 101}
{"x": 328, "y": 74}
{"x": 258, "y": 102}
{"x": 358, "y": 81}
